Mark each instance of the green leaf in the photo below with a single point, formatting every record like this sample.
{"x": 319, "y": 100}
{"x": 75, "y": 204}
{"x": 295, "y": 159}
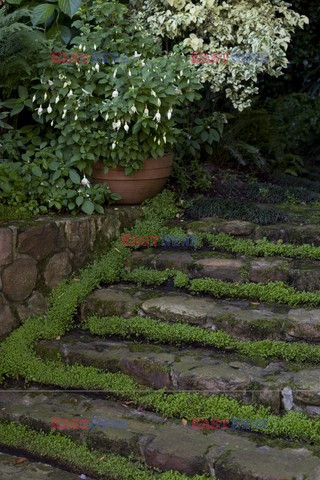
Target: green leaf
{"x": 74, "y": 177}
{"x": 36, "y": 171}
{"x": 17, "y": 109}
{"x": 76, "y": 137}
{"x": 79, "y": 201}
{"x": 23, "y": 92}
{"x": 42, "y": 12}
{"x": 99, "y": 209}
{"x": 54, "y": 165}
{"x": 204, "y": 136}
{"x": 87, "y": 207}
{"x": 66, "y": 34}
{"x": 214, "y": 136}
{"x": 115, "y": 196}
{"x": 71, "y": 206}
{"x": 69, "y": 7}
{"x": 55, "y": 176}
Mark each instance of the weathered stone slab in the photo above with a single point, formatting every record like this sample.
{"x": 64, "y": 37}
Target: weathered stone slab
{"x": 243, "y": 319}
{"x": 226, "y": 269}
{"x": 161, "y": 443}
{"x": 35, "y": 305}
{"x": 240, "y": 459}
{"x": 192, "y": 369}
{"x": 13, "y": 467}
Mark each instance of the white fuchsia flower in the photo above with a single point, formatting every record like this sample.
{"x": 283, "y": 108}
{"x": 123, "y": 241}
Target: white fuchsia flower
{"x": 116, "y": 125}
{"x": 115, "y": 73}
{"x": 159, "y": 102}
{"x": 146, "y": 111}
{"x": 76, "y": 117}
{"x": 34, "y": 98}
{"x": 157, "y": 117}
{"x": 51, "y": 123}
{"x": 115, "y": 94}
{"x": 94, "y": 47}
{"x": 65, "y": 85}
{"x": 126, "y": 127}
{"x": 64, "y": 114}
{"x": 129, "y": 73}
{"x": 49, "y": 109}
{"x": 45, "y": 96}
{"x": 153, "y": 93}
{"x": 106, "y": 117}
{"x": 70, "y": 93}
{"x": 169, "y": 113}
{"x": 164, "y": 138}
{"x": 80, "y": 47}
{"x": 136, "y": 54}
{"x": 113, "y": 146}
{"x": 85, "y": 182}
{"x": 39, "y": 110}
{"x": 50, "y": 82}
{"x": 133, "y": 110}
{"x": 97, "y": 67}
{"x": 57, "y": 99}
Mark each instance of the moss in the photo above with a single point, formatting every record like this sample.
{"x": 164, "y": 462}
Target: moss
{"x": 79, "y": 457}
{"x": 226, "y": 318}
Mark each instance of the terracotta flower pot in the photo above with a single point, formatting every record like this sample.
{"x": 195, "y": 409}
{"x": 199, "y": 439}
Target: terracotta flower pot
{"x": 135, "y": 188}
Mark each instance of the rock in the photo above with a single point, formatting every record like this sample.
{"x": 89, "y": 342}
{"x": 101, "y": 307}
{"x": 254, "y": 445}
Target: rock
{"x": 6, "y": 246}
{"x": 307, "y": 387}
{"x": 107, "y": 302}
{"x": 237, "y": 228}
{"x": 227, "y": 269}
{"x": 197, "y": 369}
{"x": 24, "y": 468}
{"x": 39, "y": 242}
{"x": 58, "y": 268}
{"x": 161, "y": 443}
{"x": 36, "y": 305}
{"x": 7, "y": 320}
{"x": 269, "y": 269}
{"x": 287, "y": 398}
{"x": 80, "y": 234}
{"x": 178, "y": 260}
{"x": 235, "y": 459}
{"x": 304, "y": 324}
{"x": 19, "y": 279}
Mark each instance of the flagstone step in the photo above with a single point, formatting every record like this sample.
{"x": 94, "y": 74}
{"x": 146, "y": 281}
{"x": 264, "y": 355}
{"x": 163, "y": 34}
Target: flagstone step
{"x": 161, "y": 443}
{"x": 280, "y": 385}
{"x": 242, "y": 319}
{"x": 301, "y": 274}
{"x": 23, "y": 468}
{"x": 284, "y": 232}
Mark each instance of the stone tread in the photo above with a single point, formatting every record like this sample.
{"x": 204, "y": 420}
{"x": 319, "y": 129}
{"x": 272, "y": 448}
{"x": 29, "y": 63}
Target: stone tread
{"x": 162, "y": 443}
{"x": 299, "y": 233}
{"x": 243, "y": 319}
{"x": 11, "y": 468}
{"x": 301, "y": 274}
{"x": 204, "y": 370}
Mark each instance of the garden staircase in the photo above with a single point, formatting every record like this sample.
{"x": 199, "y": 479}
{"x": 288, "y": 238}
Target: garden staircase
{"x": 278, "y": 384}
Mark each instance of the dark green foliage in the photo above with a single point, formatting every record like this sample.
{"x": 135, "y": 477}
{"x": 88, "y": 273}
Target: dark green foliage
{"x": 230, "y": 210}
{"x": 19, "y": 43}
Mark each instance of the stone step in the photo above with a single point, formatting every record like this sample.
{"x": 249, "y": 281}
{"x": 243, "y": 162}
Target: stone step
{"x": 12, "y": 467}
{"x": 242, "y": 319}
{"x": 281, "y": 385}
{"x": 161, "y": 443}
{"x": 300, "y": 274}
{"x": 284, "y": 232}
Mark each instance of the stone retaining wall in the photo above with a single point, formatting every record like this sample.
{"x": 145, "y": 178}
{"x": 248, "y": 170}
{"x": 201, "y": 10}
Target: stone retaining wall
{"x": 36, "y": 255}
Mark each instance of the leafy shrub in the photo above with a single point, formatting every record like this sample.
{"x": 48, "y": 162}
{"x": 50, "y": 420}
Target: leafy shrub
{"x": 238, "y": 25}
